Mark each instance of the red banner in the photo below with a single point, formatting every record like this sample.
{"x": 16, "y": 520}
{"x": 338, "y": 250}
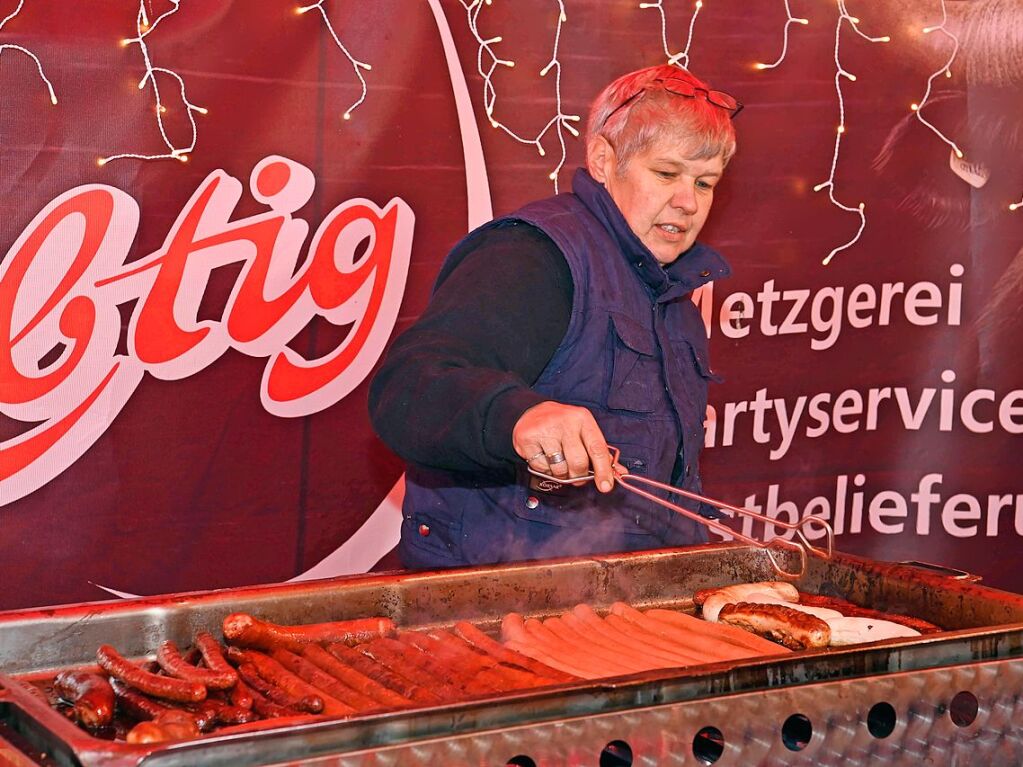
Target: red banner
{"x": 209, "y": 238}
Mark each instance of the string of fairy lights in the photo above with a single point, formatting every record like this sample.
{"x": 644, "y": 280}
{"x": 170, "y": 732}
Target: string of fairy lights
{"x": 946, "y": 70}
{"x": 357, "y": 65}
{"x": 844, "y": 17}
{"x": 27, "y": 52}
{"x": 681, "y": 58}
{"x": 143, "y": 29}
{"x": 789, "y": 21}
{"x": 488, "y": 63}
{"x": 560, "y": 122}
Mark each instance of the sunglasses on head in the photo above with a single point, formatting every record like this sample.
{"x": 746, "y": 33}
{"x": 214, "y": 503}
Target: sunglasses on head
{"x": 679, "y": 87}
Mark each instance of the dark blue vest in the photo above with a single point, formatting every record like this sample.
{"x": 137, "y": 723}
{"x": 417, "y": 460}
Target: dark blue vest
{"x": 635, "y": 355}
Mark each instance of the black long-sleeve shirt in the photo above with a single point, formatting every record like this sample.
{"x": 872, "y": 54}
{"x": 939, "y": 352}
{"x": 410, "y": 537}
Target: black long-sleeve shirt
{"x": 453, "y": 385}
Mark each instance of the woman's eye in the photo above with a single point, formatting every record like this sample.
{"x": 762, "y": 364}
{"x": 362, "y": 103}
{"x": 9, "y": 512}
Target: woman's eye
{"x": 666, "y": 174}
{"x": 704, "y": 185}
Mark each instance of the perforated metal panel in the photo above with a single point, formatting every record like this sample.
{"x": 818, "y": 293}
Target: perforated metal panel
{"x": 753, "y": 728}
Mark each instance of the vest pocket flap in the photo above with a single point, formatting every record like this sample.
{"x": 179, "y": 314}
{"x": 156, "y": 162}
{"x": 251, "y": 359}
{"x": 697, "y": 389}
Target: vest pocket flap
{"x": 636, "y": 379}
{"x": 703, "y": 365}
{"x": 633, "y": 335}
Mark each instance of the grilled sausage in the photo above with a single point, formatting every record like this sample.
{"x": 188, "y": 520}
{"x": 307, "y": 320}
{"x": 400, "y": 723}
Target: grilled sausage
{"x": 240, "y": 695}
{"x": 257, "y": 683}
{"x": 614, "y": 662}
{"x": 792, "y": 628}
{"x": 134, "y": 704}
{"x": 462, "y": 653}
{"x": 167, "y": 687}
{"x": 321, "y": 680}
{"x": 495, "y": 649}
{"x": 244, "y": 629}
{"x": 641, "y": 638}
{"x": 517, "y": 638}
{"x": 468, "y": 675}
{"x": 851, "y": 610}
{"x": 354, "y": 679}
{"x": 170, "y": 660}
{"x": 743, "y": 592}
{"x": 707, "y": 647}
{"x": 173, "y": 724}
{"x": 269, "y": 709}
{"x": 557, "y": 650}
{"x": 847, "y": 631}
{"x": 396, "y": 657}
{"x": 90, "y": 695}
{"x": 383, "y": 675}
{"x": 780, "y": 589}
{"x": 724, "y": 632}
{"x": 276, "y": 674}
{"x": 213, "y": 656}
{"x": 211, "y": 713}
{"x": 147, "y": 732}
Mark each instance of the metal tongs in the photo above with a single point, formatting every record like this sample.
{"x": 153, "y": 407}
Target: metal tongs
{"x": 801, "y": 546}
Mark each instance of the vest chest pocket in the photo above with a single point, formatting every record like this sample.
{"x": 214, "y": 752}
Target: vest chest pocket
{"x": 637, "y": 378}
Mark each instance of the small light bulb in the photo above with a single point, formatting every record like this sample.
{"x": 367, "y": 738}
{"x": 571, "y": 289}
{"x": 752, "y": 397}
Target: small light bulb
{"x": 346, "y": 116}
{"x": 1014, "y": 206}
{"x": 841, "y": 129}
{"x": 914, "y": 107}
{"x": 758, "y": 65}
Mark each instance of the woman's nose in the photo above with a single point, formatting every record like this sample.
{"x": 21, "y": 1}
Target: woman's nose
{"x": 685, "y": 199}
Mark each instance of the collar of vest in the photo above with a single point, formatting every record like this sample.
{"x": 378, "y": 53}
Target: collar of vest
{"x": 697, "y": 266}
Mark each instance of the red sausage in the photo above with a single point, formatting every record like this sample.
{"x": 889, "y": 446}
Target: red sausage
{"x": 240, "y": 695}
{"x": 214, "y": 656}
{"x": 135, "y": 704}
{"x": 170, "y": 660}
{"x": 243, "y": 629}
{"x": 312, "y": 704}
{"x": 90, "y": 694}
{"x": 167, "y": 687}
{"x": 353, "y": 678}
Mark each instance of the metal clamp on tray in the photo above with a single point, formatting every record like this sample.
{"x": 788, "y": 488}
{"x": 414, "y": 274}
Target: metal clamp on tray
{"x": 801, "y": 546}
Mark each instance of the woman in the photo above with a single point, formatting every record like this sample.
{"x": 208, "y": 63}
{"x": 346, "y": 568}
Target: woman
{"x": 561, "y": 329}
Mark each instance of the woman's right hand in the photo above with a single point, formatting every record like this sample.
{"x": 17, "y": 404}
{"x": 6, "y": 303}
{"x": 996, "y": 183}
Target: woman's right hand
{"x": 563, "y": 441}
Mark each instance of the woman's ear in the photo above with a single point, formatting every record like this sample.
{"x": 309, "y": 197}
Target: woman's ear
{"x": 600, "y": 159}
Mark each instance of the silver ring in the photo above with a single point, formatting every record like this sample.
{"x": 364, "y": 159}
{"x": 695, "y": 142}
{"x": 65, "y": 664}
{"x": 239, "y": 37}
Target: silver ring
{"x": 538, "y": 455}
{"x": 553, "y": 458}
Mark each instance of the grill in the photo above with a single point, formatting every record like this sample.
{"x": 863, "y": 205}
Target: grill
{"x": 947, "y": 698}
